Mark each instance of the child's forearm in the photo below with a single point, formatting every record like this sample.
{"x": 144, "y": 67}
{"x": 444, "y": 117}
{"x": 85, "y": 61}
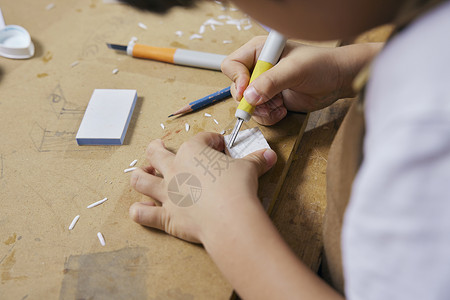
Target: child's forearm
{"x": 353, "y": 59}
{"x": 254, "y": 258}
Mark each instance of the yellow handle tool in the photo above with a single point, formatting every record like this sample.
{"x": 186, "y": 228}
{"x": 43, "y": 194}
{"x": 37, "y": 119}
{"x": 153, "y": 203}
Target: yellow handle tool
{"x": 269, "y": 56}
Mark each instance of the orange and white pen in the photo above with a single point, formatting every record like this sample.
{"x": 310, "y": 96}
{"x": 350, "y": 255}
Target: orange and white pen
{"x": 176, "y": 56}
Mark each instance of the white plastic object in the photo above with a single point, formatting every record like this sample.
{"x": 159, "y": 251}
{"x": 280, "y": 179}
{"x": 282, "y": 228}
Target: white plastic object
{"x": 15, "y": 41}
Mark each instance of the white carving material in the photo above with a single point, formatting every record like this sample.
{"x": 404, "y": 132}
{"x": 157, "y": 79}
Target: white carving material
{"x": 101, "y": 238}
{"x": 97, "y": 203}
{"x": 195, "y": 36}
{"x": 207, "y": 115}
{"x": 74, "y": 221}
{"x": 179, "y": 33}
{"x": 129, "y": 170}
{"x": 75, "y": 63}
{"x": 162, "y": 126}
{"x": 247, "y": 141}
{"x": 187, "y": 127}
{"x": 107, "y": 117}
{"x": 215, "y": 121}
{"x": 115, "y": 71}
{"x": 142, "y": 25}
{"x": 50, "y": 6}
{"x": 133, "y": 163}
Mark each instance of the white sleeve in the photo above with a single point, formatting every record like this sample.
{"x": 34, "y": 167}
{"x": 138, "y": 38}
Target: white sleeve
{"x": 396, "y": 234}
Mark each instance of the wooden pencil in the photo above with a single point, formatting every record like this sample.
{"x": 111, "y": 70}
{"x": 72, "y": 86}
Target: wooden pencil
{"x": 210, "y": 99}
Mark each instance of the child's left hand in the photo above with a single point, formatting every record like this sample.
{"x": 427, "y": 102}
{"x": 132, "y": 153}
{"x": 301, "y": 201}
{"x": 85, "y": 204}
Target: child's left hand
{"x": 199, "y": 188}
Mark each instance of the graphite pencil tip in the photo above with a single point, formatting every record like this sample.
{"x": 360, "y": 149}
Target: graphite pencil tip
{"x": 171, "y": 115}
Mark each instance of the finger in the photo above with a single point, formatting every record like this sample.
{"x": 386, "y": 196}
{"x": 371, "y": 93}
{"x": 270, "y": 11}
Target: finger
{"x": 270, "y": 83}
{"x": 270, "y": 112}
{"x": 148, "y": 215}
{"x": 209, "y": 139}
{"x": 148, "y": 184}
{"x": 234, "y": 92}
{"x": 159, "y": 157}
{"x": 237, "y": 65}
{"x": 262, "y": 160}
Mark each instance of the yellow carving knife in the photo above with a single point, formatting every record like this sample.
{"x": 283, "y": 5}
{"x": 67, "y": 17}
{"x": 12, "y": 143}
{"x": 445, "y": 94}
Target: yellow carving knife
{"x": 270, "y": 54}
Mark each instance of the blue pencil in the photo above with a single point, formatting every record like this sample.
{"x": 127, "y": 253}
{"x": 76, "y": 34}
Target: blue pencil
{"x": 210, "y": 99}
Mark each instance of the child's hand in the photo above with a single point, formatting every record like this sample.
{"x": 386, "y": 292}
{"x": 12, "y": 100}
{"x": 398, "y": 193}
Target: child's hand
{"x": 199, "y": 188}
{"x": 305, "y": 79}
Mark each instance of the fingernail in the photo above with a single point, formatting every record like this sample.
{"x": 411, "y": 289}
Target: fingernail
{"x": 270, "y": 156}
{"x": 252, "y": 96}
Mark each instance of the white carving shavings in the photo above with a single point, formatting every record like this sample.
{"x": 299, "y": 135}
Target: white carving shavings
{"x": 142, "y": 25}
{"x": 187, "y": 127}
{"x": 133, "y": 163}
{"x": 74, "y": 63}
{"x": 162, "y": 126}
{"x": 97, "y": 203}
{"x": 202, "y": 29}
{"x": 74, "y": 221}
{"x": 215, "y": 121}
{"x": 195, "y": 36}
{"x": 227, "y": 41}
{"x": 50, "y": 6}
{"x": 115, "y": 71}
{"x": 129, "y": 170}
{"x": 207, "y": 115}
{"x": 101, "y": 238}
{"x": 179, "y": 33}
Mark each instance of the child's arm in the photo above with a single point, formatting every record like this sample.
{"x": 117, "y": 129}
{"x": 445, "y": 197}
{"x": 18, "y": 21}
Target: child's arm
{"x": 226, "y": 216}
{"x": 305, "y": 79}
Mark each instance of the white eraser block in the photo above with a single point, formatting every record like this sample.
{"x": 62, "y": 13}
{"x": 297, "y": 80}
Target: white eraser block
{"x": 107, "y": 116}
{"x": 247, "y": 141}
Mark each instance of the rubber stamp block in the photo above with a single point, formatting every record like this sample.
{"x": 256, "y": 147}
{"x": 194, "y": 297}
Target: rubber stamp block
{"x": 107, "y": 116}
{"x": 247, "y": 141}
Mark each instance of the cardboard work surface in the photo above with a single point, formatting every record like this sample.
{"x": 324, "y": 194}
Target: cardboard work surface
{"x": 46, "y": 179}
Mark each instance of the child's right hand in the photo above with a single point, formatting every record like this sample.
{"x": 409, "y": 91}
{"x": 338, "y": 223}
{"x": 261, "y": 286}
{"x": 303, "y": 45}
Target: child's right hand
{"x": 305, "y": 79}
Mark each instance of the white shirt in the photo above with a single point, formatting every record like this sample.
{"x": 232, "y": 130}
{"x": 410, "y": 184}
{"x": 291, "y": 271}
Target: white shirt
{"x": 396, "y": 233}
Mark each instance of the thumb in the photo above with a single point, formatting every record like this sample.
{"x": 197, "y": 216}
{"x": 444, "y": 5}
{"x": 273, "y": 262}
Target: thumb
{"x": 262, "y": 160}
{"x": 268, "y": 84}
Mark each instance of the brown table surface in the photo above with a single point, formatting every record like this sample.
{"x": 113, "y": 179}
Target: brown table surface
{"x": 46, "y": 179}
